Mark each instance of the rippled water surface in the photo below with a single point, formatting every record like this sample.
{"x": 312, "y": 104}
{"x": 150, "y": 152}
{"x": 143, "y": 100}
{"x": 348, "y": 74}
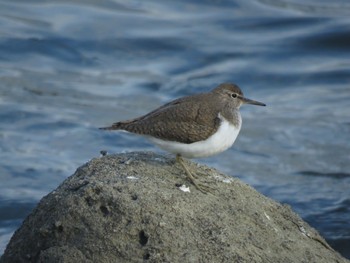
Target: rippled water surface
{"x": 68, "y": 67}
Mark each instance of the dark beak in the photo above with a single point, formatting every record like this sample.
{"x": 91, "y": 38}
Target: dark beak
{"x": 253, "y": 102}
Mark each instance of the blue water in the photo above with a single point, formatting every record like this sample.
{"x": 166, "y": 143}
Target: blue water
{"x": 68, "y": 67}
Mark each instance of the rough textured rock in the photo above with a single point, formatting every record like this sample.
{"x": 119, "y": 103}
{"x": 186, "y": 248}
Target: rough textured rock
{"x": 129, "y": 208}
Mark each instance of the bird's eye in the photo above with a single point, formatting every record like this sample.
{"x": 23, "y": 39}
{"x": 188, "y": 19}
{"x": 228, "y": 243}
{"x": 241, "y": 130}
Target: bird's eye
{"x": 234, "y": 95}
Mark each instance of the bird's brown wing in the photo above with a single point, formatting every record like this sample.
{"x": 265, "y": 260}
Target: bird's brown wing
{"x": 183, "y": 120}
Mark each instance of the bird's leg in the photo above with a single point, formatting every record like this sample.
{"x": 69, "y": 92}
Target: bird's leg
{"x": 200, "y": 187}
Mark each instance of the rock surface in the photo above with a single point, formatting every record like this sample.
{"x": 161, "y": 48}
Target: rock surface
{"x": 130, "y": 208}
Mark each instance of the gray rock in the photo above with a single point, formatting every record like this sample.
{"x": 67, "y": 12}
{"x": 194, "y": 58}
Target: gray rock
{"x": 130, "y": 208}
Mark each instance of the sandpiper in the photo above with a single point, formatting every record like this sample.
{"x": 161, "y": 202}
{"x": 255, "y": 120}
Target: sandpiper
{"x": 194, "y": 126}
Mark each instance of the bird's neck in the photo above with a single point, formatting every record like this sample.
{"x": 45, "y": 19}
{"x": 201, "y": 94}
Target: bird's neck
{"x": 232, "y": 116}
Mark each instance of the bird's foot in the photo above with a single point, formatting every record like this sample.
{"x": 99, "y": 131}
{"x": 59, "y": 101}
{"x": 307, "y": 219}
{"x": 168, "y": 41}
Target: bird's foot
{"x": 191, "y": 177}
{"x": 202, "y": 187}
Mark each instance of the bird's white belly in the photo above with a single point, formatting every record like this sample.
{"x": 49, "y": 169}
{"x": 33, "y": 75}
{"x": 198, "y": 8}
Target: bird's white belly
{"x": 216, "y": 143}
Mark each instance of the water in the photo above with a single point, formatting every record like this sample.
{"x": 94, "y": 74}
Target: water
{"x": 68, "y": 67}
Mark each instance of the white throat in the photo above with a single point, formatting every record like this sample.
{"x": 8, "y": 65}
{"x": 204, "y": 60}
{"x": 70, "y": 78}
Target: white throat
{"x": 220, "y": 141}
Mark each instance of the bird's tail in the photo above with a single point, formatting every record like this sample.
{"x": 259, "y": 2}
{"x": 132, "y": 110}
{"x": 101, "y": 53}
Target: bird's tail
{"x": 115, "y": 126}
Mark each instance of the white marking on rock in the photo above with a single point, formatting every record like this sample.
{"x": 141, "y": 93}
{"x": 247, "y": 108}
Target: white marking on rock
{"x": 184, "y": 188}
{"x": 303, "y": 231}
{"x": 223, "y": 179}
{"x": 267, "y": 216}
{"x": 132, "y": 177}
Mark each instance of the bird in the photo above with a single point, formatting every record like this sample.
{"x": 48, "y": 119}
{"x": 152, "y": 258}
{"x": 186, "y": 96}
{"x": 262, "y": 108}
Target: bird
{"x": 194, "y": 126}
